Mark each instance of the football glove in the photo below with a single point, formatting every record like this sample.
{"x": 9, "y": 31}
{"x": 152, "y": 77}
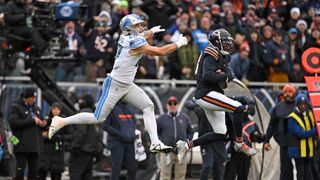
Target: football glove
{"x": 182, "y": 41}
{"x": 156, "y": 29}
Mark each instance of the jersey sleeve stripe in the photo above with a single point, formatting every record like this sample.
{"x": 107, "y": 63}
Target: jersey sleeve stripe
{"x": 211, "y": 52}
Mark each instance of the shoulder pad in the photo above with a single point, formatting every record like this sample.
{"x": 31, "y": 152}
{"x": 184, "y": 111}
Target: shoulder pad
{"x": 212, "y": 51}
{"x": 136, "y": 42}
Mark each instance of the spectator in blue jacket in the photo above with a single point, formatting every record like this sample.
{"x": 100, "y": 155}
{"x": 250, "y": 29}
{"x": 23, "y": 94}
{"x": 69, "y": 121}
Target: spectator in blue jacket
{"x": 121, "y": 125}
{"x": 240, "y": 61}
{"x": 302, "y": 132}
{"x": 173, "y": 126}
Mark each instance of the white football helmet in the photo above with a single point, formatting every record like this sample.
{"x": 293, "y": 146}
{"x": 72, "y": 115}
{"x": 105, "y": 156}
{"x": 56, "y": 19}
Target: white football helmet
{"x": 128, "y": 22}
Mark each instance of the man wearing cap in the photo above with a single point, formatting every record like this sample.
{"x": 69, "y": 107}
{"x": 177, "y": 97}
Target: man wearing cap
{"x": 278, "y": 129}
{"x": 26, "y": 123}
{"x": 173, "y": 126}
{"x": 302, "y": 132}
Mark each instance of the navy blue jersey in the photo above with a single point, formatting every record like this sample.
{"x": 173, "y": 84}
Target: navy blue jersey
{"x": 209, "y": 70}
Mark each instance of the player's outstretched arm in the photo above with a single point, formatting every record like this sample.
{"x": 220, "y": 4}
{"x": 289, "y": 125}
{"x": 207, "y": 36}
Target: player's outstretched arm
{"x": 161, "y": 51}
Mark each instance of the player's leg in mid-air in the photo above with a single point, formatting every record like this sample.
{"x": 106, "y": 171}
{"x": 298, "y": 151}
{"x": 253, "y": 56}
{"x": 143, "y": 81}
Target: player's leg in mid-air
{"x": 215, "y": 105}
{"x": 138, "y": 98}
{"x": 112, "y": 92}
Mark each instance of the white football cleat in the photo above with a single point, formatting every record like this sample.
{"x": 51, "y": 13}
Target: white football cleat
{"x": 56, "y": 124}
{"x": 244, "y": 148}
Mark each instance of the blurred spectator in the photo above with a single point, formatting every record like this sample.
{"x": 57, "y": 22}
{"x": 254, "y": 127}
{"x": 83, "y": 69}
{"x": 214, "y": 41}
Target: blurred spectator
{"x": 183, "y": 62}
{"x": 52, "y": 157}
{"x": 315, "y": 24}
{"x": 84, "y": 144}
{"x": 200, "y": 9}
{"x": 26, "y": 124}
{"x": 278, "y": 25}
{"x": 240, "y": 62}
{"x": 159, "y": 12}
{"x": 173, "y": 126}
{"x": 303, "y": 36}
{"x": 278, "y": 129}
{"x": 66, "y": 71}
{"x": 302, "y": 134}
{"x": 231, "y": 23}
{"x": 257, "y": 70}
{"x": 99, "y": 49}
{"x": 294, "y": 16}
{"x": 136, "y": 9}
{"x": 297, "y": 74}
{"x": 294, "y": 50}
{"x": 121, "y": 125}
{"x": 314, "y": 40}
{"x": 277, "y": 58}
{"x": 215, "y": 17}
{"x": 200, "y": 35}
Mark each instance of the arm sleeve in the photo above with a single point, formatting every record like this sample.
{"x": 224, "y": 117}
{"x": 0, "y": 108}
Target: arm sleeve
{"x": 295, "y": 129}
{"x": 209, "y": 71}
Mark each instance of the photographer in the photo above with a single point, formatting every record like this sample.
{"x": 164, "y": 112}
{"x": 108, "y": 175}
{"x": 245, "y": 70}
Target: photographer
{"x": 18, "y": 20}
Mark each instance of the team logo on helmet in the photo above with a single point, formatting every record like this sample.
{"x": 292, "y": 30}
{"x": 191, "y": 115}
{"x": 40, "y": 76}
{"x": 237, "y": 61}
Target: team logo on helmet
{"x": 222, "y": 39}
{"x": 128, "y": 22}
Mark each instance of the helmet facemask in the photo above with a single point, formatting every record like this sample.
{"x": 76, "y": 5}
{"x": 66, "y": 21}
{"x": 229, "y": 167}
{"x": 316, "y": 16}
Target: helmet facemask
{"x": 226, "y": 45}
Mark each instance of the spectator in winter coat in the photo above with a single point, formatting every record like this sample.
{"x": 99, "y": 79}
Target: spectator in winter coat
{"x": 26, "y": 124}
{"x": 121, "y": 125}
{"x": 52, "y": 157}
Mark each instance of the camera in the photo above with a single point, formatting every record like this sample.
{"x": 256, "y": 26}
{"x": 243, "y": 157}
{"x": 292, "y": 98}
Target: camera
{"x": 49, "y": 19}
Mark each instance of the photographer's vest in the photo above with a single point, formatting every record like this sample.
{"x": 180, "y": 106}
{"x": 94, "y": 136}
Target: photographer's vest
{"x": 247, "y": 129}
{"x": 306, "y": 146}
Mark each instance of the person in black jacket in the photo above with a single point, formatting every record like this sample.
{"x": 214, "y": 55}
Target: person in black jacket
{"x": 84, "y": 144}
{"x": 17, "y": 13}
{"x": 52, "y": 158}
{"x": 26, "y": 124}
{"x": 278, "y": 129}
{"x": 121, "y": 126}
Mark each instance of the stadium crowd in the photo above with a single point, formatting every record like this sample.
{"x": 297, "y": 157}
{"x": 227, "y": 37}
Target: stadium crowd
{"x": 269, "y": 36}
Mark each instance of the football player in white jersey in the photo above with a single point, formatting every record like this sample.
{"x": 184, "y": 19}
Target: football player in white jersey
{"x": 119, "y": 84}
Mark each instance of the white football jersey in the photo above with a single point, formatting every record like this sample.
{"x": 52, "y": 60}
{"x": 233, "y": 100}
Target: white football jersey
{"x": 125, "y": 66}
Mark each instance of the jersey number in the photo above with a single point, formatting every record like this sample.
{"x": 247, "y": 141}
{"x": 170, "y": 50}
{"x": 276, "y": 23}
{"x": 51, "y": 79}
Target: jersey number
{"x": 119, "y": 49}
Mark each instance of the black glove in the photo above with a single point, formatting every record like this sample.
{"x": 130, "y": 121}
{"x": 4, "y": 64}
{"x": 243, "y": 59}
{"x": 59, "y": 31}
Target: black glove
{"x": 229, "y": 72}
